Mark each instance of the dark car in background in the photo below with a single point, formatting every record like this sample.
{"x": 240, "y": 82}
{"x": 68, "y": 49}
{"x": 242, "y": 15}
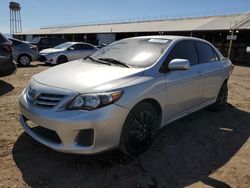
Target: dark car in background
{"x": 46, "y": 42}
{"x": 23, "y": 52}
{"x": 7, "y": 66}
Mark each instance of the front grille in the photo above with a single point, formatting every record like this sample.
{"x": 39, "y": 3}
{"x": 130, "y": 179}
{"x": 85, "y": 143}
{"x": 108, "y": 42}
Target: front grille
{"x": 46, "y": 100}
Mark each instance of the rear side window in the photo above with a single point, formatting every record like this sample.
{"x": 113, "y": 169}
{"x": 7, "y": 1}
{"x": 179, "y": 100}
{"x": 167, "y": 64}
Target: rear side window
{"x": 82, "y": 47}
{"x": 184, "y": 50}
{"x": 205, "y": 52}
{"x": 87, "y": 47}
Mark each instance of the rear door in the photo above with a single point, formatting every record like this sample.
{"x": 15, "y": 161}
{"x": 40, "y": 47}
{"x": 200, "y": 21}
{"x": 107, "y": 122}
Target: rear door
{"x": 184, "y": 87}
{"x": 212, "y": 68}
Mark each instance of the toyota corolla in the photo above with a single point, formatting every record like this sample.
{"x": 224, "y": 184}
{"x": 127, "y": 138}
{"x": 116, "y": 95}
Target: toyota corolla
{"x": 120, "y": 96}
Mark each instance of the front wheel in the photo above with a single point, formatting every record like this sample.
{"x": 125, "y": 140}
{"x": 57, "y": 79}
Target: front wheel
{"x": 221, "y": 99}
{"x": 139, "y": 129}
{"x": 61, "y": 59}
{"x": 24, "y": 60}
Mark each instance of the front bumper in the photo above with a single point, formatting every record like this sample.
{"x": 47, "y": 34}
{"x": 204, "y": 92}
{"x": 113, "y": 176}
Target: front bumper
{"x": 105, "y": 122}
{"x": 48, "y": 59}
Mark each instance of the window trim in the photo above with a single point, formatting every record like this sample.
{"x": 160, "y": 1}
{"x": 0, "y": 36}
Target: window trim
{"x": 164, "y": 66}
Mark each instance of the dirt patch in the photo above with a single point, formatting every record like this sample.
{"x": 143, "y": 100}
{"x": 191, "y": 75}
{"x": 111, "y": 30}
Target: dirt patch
{"x": 202, "y": 150}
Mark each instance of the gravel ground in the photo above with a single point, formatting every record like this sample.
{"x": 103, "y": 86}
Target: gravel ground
{"x": 206, "y": 149}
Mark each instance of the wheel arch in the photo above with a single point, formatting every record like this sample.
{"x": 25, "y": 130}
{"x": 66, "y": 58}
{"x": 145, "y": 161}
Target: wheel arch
{"x": 155, "y": 104}
{"x": 62, "y": 55}
{"x": 24, "y": 54}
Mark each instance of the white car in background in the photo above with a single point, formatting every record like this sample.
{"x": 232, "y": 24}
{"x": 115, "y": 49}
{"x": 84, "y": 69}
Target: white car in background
{"x": 67, "y": 51}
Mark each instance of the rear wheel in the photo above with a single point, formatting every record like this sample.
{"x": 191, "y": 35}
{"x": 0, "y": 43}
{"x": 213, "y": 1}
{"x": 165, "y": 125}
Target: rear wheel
{"x": 221, "y": 100}
{"x": 24, "y": 60}
{"x": 61, "y": 59}
{"x": 139, "y": 129}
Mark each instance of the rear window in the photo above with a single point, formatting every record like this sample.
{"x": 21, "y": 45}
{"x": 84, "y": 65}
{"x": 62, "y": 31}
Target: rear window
{"x": 205, "y": 52}
{"x": 136, "y": 52}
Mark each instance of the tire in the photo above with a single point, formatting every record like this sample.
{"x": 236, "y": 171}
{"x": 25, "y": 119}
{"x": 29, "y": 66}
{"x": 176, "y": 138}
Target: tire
{"x": 221, "y": 99}
{"x": 61, "y": 59}
{"x": 24, "y": 60}
{"x": 139, "y": 129}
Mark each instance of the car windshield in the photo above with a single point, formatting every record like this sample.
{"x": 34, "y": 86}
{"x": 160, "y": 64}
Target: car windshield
{"x": 36, "y": 39}
{"x": 134, "y": 52}
{"x": 63, "y": 45}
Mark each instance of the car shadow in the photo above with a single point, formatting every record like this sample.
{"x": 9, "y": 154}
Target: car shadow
{"x": 26, "y": 66}
{"x": 5, "y": 87}
{"x": 186, "y": 151}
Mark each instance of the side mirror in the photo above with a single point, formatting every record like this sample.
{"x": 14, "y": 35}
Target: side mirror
{"x": 70, "y": 48}
{"x": 179, "y": 64}
{"x": 248, "y": 49}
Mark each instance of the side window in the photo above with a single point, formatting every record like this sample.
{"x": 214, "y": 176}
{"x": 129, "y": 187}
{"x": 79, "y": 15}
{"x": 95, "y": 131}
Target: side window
{"x": 87, "y": 47}
{"x": 82, "y": 47}
{"x": 184, "y": 50}
{"x": 205, "y": 52}
{"x": 77, "y": 47}
{"x": 217, "y": 58}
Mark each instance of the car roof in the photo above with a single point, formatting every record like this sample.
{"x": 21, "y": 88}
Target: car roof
{"x": 168, "y": 37}
{"x": 81, "y": 43}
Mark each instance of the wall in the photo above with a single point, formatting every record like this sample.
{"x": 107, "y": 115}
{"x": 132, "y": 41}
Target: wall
{"x": 104, "y": 38}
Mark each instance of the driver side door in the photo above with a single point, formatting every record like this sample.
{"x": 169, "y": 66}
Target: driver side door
{"x": 184, "y": 87}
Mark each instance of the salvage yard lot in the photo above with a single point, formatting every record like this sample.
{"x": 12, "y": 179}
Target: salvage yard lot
{"x": 204, "y": 149}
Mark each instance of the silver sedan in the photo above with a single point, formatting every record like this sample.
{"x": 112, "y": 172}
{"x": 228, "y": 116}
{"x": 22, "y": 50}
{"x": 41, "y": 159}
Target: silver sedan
{"x": 23, "y": 52}
{"x": 67, "y": 51}
{"x": 120, "y": 96}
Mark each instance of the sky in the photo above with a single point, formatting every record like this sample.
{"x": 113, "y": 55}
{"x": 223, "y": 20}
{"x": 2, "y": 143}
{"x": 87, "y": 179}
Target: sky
{"x": 41, "y": 13}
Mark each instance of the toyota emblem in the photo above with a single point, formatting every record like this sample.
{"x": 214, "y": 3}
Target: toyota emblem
{"x": 33, "y": 93}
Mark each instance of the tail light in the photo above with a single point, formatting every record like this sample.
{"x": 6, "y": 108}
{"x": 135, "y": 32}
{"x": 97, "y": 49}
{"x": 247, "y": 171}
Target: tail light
{"x": 7, "y": 47}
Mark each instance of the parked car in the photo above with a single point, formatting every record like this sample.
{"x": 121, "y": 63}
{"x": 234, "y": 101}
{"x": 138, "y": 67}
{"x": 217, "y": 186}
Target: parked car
{"x": 7, "y": 66}
{"x": 46, "y": 42}
{"x": 67, "y": 51}
{"x": 120, "y": 96}
{"x": 24, "y": 53}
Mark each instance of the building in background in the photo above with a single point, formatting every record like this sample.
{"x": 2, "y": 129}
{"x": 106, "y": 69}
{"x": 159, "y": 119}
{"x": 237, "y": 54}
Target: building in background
{"x": 215, "y": 29}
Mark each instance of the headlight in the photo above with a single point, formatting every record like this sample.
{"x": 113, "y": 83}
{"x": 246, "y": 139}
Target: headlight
{"x": 94, "y": 101}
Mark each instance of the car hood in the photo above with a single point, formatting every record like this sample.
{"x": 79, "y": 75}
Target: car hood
{"x": 84, "y": 77}
{"x": 50, "y": 50}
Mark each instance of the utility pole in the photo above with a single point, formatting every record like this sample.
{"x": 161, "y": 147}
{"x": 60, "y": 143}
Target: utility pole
{"x": 230, "y": 44}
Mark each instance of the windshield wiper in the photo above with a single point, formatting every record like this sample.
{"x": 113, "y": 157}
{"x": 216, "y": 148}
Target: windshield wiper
{"x": 114, "y": 61}
{"x": 95, "y": 60}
